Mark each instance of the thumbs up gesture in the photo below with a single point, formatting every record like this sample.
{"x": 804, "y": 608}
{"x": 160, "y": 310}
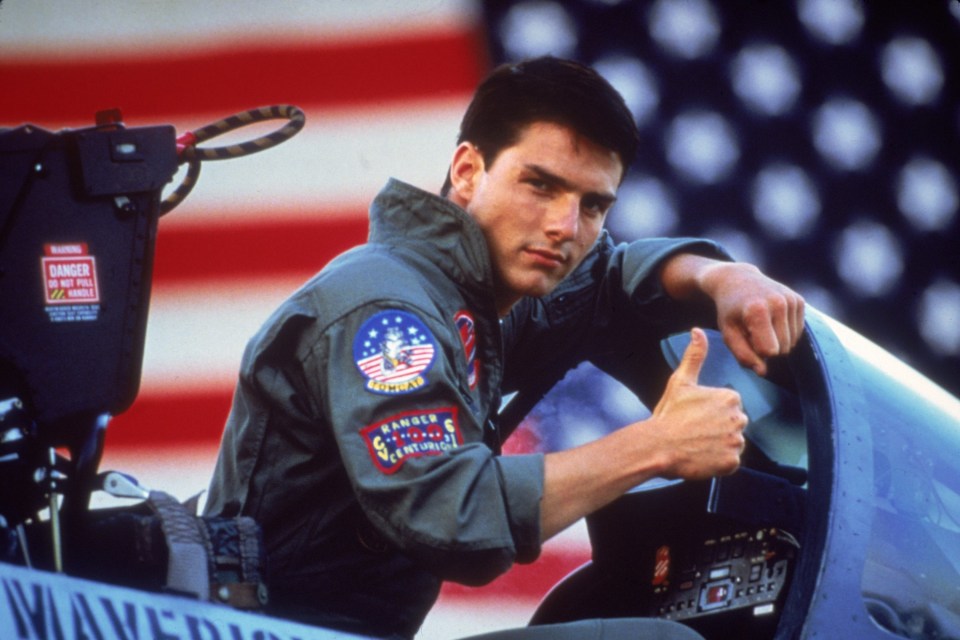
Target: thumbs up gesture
{"x": 699, "y": 429}
{"x": 695, "y": 432}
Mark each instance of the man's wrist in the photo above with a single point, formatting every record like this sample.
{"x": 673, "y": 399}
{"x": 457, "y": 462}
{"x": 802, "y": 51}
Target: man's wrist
{"x": 712, "y": 277}
{"x": 689, "y": 276}
{"x": 685, "y": 276}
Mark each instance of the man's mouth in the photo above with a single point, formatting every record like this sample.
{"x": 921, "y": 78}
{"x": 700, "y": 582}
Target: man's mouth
{"x": 547, "y": 257}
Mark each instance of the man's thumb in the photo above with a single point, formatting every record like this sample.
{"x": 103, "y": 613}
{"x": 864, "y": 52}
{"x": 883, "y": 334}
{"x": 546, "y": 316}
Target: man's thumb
{"x": 688, "y": 371}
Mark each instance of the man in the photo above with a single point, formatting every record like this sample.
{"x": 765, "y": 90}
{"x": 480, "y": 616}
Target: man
{"x": 363, "y": 435}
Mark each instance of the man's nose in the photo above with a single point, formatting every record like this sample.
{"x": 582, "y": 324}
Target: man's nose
{"x": 563, "y": 220}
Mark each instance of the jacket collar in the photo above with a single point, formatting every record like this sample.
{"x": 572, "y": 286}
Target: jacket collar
{"x": 433, "y": 229}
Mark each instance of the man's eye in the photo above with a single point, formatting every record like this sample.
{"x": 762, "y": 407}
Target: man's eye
{"x": 595, "y": 208}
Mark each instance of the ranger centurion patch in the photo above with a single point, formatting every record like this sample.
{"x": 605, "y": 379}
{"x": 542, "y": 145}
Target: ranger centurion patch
{"x": 412, "y": 434}
{"x": 394, "y": 350}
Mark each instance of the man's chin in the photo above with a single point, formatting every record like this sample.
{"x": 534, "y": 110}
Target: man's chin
{"x": 542, "y": 289}
{"x": 534, "y": 285}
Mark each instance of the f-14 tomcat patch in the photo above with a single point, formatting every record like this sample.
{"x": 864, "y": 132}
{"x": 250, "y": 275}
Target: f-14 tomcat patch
{"x": 394, "y": 350}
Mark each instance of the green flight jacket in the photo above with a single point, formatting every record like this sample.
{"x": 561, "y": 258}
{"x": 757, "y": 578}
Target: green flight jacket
{"x": 364, "y": 435}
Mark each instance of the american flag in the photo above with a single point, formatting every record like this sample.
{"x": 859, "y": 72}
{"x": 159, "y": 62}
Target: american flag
{"x": 383, "y": 84}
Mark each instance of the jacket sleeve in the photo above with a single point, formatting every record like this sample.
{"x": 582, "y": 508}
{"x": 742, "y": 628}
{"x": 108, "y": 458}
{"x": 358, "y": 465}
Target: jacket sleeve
{"x": 412, "y": 444}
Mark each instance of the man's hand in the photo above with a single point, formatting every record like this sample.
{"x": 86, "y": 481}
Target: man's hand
{"x": 700, "y": 428}
{"x": 759, "y": 317}
{"x": 694, "y": 433}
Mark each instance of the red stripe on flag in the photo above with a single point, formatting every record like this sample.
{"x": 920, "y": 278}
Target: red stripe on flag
{"x": 319, "y": 74}
{"x": 182, "y": 419}
{"x": 294, "y": 247}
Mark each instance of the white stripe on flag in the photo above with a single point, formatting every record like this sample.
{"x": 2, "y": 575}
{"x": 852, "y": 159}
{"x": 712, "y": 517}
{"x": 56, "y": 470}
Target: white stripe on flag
{"x": 66, "y": 29}
{"x": 339, "y": 160}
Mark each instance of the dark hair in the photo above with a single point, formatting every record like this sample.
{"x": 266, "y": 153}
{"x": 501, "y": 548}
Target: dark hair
{"x": 547, "y": 89}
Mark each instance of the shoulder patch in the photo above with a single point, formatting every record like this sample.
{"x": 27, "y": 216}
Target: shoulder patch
{"x": 412, "y": 434}
{"x": 468, "y": 336}
{"x": 394, "y": 350}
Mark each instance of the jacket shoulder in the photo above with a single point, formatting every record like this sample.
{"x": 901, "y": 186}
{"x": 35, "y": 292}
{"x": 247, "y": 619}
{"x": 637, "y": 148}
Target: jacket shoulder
{"x": 365, "y": 275}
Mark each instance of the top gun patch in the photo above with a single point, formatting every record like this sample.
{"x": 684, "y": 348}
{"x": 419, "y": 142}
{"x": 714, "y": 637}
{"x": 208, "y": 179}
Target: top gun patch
{"x": 394, "y": 350}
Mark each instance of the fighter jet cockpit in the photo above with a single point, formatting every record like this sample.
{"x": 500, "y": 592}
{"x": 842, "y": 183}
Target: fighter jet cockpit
{"x": 844, "y": 520}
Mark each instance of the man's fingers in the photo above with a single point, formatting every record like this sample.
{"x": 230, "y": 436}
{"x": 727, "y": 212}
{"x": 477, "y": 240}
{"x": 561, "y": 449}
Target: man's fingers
{"x": 775, "y": 324}
{"x": 766, "y": 332}
{"x": 798, "y": 314}
{"x": 688, "y": 371}
{"x": 742, "y": 349}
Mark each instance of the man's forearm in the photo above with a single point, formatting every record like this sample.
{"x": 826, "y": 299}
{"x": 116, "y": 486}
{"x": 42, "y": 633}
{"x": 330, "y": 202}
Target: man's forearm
{"x": 579, "y": 481}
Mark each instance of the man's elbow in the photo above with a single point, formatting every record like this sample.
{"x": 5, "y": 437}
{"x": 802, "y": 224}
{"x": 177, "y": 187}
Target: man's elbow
{"x": 474, "y": 568}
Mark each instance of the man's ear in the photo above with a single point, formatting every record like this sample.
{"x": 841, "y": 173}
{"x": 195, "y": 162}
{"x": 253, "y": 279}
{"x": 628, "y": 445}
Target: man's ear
{"x": 465, "y": 171}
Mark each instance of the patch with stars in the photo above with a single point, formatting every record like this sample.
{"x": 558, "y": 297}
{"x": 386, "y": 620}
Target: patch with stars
{"x": 394, "y": 350}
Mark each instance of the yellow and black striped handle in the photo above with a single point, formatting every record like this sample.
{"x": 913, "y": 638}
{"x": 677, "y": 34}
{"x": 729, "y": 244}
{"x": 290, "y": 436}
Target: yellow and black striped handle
{"x": 192, "y": 155}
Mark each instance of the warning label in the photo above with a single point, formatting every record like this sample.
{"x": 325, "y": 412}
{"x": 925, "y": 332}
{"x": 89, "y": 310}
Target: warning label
{"x": 70, "y": 282}
{"x": 74, "y": 313}
{"x": 69, "y": 274}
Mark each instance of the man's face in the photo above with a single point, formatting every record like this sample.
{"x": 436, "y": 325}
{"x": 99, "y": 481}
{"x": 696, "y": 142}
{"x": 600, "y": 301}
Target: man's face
{"x": 541, "y": 205}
